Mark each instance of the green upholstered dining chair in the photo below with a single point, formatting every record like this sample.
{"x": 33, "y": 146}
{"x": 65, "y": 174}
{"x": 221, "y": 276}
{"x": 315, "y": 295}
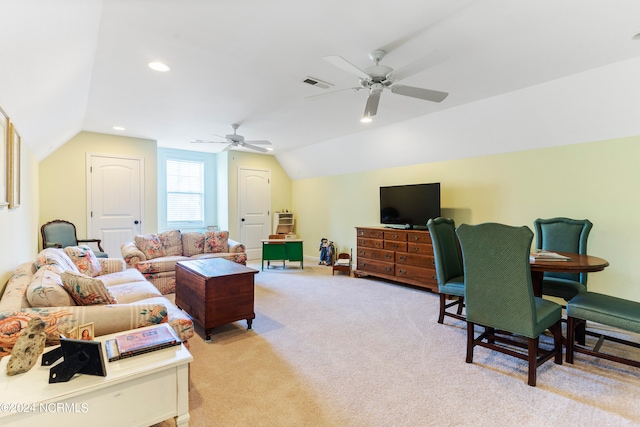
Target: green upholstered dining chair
{"x": 563, "y": 235}
{"x": 499, "y": 295}
{"x": 60, "y": 234}
{"x": 449, "y": 269}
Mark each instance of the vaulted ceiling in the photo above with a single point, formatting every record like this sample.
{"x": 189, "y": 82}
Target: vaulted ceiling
{"x": 81, "y": 65}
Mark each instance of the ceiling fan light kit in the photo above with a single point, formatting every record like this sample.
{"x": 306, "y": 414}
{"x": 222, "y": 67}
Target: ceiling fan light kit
{"x": 379, "y": 77}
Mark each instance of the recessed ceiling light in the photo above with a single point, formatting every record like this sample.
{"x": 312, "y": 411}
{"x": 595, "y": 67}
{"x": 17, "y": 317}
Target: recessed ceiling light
{"x": 159, "y": 66}
{"x": 366, "y": 119}
{"x": 118, "y": 128}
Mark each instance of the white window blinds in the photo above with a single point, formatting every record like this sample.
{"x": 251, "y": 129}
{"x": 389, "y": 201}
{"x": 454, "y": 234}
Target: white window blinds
{"x": 185, "y": 191}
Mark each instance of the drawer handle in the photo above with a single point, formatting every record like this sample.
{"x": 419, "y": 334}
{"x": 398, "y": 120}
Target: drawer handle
{"x": 415, "y": 248}
{"x": 395, "y": 236}
{"x": 388, "y": 269}
{"x": 377, "y": 244}
{"x": 403, "y": 258}
{"x": 361, "y": 253}
{"x": 403, "y": 271}
{"x": 415, "y": 238}
{"x": 387, "y": 256}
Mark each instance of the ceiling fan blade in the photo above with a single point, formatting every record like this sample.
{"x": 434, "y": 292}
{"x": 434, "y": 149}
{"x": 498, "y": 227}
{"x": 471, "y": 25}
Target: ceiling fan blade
{"x": 434, "y": 58}
{"x": 371, "y": 108}
{"x": 417, "y": 92}
{"x": 254, "y": 147}
{"x": 228, "y": 147}
{"x": 320, "y": 95}
{"x": 206, "y": 141}
{"x": 257, "y": 142}
{"x": 345, "y": 65}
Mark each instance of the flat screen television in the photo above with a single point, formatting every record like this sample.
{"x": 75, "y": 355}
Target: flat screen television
{"x": 409, "y": 206}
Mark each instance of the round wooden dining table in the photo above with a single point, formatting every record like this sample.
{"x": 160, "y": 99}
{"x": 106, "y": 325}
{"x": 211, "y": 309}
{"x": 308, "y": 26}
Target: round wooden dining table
{"x": 578, "y": 264}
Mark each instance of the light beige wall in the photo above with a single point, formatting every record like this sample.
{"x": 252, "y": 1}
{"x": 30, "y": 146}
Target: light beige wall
{"x": 63, "y": 190}
{"x": 19, "y": 227}
{"x": 280, "y": 183}
{"x": 596, "y": 180}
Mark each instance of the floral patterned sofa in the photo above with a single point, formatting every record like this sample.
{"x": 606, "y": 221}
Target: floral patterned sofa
{"x": 71, "y": 287}
{"x": 156, "y": 255}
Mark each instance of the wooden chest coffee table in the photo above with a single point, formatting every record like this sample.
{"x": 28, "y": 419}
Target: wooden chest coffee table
{"x": 215, "y": 291}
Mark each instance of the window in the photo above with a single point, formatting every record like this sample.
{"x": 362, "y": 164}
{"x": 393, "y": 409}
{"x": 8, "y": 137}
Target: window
{"x": 185, "y": 192}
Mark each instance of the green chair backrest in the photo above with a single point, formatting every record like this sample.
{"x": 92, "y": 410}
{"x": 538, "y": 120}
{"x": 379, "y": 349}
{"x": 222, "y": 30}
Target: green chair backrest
{"x": 61, "y": 232}
{"x": 446, "y": 250}
{"x": 497, "y": 276}
{"x": 563, "y": 235}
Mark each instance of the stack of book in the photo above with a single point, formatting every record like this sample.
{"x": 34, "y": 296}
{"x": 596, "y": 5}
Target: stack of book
{"x": 548, "y": 256}
{"x": 139, "y": 341}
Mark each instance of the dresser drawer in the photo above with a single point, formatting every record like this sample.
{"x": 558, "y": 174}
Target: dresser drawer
{"x": 423, "y": 237}
{"x": 420, "y": 248}
{"x": 370, "y": 243}
{"x": 375, "y": 254}
{"x": 376, "y": 266}
{"x": 395, "y": 246}
{"x": 424, "y": 261}
{"x": 422, "y": 275}
{"x": 367, "y": 232}
{"x": 398, "y": 236}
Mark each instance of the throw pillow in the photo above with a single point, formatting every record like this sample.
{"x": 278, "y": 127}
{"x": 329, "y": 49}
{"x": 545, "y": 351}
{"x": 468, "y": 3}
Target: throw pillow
{"x": 171, "y": 242}
{"x": 55, "y": 256}
{"x": 192, "y": 243}
{"x": 84, "y": 258}
{"x": 150, "y": 245}
{"x": 46, "y": 290}
{"x": 216, "y": 242}
{"x": 86, "y": 290}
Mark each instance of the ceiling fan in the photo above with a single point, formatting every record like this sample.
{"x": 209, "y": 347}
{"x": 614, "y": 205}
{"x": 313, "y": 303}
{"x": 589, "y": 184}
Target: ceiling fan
{"x": 380, "y": 77}
{"x": 235, "y": 140}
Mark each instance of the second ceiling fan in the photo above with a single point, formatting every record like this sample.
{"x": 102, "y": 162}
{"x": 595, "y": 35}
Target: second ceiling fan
{"x": 380, "y": 77}
{"x": 234, "y": 140}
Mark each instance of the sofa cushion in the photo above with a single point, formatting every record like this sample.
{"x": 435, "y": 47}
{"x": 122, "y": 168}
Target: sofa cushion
{"x": 129, "y": 275}
{"x": 171, "y": 242}
{"x": 84, "y": 258}
{"x": 55, "y": 256}
{"x": 46, "y": 290}
{"x": 216, "y": 242}
{"x": 192, "y": 243}
{"x": 150, "y": 245}
{"x": 131, "y": 292}
{"x": 86, "y": 290}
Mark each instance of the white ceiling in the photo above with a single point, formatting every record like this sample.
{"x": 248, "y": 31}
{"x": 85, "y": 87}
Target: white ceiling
{"x": 81, "y": 65}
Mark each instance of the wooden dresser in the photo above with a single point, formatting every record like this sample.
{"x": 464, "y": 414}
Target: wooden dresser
{"x": 404, "y": 256}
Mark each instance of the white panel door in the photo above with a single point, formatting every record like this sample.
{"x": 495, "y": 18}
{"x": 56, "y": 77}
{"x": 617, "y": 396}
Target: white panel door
{"x": 115, "y": 194}
{"x": 254, "y": 208}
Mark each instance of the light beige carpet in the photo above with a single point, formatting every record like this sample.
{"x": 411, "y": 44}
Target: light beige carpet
{"x": 337, "y": 351}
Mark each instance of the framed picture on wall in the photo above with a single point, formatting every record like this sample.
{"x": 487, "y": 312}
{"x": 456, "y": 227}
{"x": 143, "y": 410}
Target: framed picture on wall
{"x": 4, "y": 158}
{"x": 14, "y": 167}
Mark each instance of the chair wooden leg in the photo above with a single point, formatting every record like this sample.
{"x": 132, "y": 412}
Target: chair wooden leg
{"x": 580, "y": 332}
{"x": 556, "y": 330}
{"x": 470, "y": 339}
{"x": 460, "y": 305}
{"x": 532, "y": 359}
{"x": 570, "y": 339}
{"x": 443, "y": 303}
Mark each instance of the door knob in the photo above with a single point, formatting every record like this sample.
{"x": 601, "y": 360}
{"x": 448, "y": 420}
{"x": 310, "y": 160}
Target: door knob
{"x": 136, "y": 222}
